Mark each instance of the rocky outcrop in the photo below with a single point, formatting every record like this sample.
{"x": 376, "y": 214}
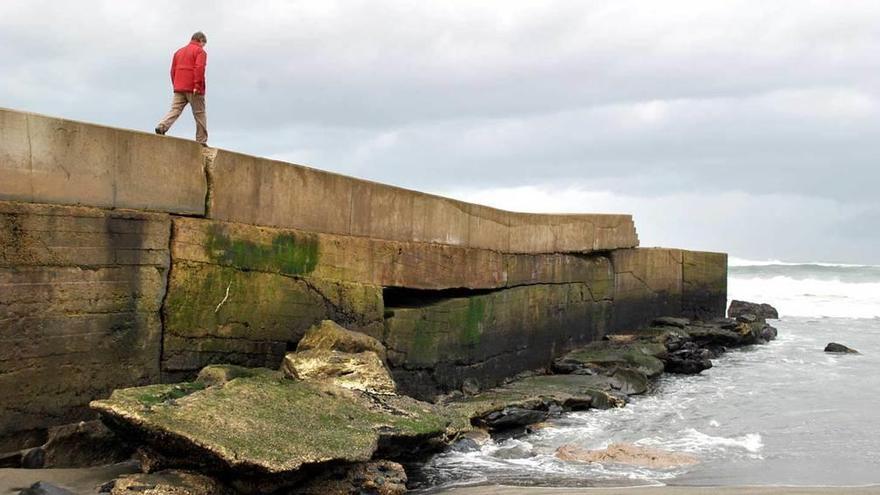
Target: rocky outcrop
{"x": 625, "y": 453}
{"x": 834, "y": 347}
{"x": 761, "y": 311}
{"x": 362, "y": 371}
{"x": 332, "y": 354}
{"x": 329, "y": 335}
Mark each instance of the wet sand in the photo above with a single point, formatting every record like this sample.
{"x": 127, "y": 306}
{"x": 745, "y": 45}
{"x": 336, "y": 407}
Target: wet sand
{"x": 664, "y": 490}
{"x": 86, "y": 481}
{"x": 80, "y": 481}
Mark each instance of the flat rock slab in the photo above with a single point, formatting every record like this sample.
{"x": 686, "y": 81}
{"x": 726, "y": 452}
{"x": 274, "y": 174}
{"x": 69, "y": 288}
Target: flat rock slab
{"x": 644, "y": 357}
{"x": 264, "y": 424}
{"x": 537, "y": 393}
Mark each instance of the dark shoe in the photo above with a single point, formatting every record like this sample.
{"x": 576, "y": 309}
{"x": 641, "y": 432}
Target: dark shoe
{"x": 160, "y": 131}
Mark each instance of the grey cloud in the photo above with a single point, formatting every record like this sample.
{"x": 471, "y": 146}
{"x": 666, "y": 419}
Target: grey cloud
{"x": 776, "y": 100}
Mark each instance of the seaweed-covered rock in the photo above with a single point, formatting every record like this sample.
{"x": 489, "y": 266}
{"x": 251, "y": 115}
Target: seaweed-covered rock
{"x": 362, "y": 371}
{"x": 329, "y": 335}
{"x": 762, "y": 311}
{"x": 265, "y": 425}
{"x": 641, "y": 356}
{"x": 170, "y": 482}
{"x": 368, "y": 478}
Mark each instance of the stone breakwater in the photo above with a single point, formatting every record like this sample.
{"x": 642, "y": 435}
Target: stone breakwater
{"x": 129, "y": 259}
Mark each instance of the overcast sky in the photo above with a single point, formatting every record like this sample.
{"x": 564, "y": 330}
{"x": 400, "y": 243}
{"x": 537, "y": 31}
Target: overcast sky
{"x": 742, "y": 126}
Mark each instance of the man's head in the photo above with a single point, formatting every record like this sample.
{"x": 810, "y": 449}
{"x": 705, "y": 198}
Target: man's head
{"x": 200, "y": 37}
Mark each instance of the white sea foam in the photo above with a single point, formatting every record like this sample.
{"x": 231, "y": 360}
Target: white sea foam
{"x": 734, "y": 261}
{"x": 694, "y": 441}
{"x": 809, "y": 296}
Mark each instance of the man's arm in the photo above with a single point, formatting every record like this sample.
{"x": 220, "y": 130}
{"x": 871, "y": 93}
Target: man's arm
{"x": 199, "y": 72}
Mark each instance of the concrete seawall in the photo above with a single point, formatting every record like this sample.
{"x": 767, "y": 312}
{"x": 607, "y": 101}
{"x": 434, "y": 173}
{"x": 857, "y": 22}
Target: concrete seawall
{"x": 128, "y": 258}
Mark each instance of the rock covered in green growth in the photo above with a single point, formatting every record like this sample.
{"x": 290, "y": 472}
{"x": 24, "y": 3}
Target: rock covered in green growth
{"x": 331, "y": 336}
{"x": 361, "y": 371}
{"x": 218, "y": 374}
{"x": 645, "y": 357}
{"x": 265, "y": 424}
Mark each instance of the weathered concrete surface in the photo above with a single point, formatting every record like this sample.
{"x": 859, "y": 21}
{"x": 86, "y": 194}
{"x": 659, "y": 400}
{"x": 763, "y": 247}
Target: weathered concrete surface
{"x": 80, "y": 293}
{"x": 704, "y": 284}
{"x": 647, "y": 284}
{"x": 217, "y": 314}
{"x": 50, "y": 160}
{"x": 485, "y": 338}
{"x": 258, "y": 191}
{"x": 416, "y": 265}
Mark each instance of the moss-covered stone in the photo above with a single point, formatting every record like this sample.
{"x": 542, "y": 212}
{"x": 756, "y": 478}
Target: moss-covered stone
{"x": 641, "y": 356}
{"x": 266, "y": 424}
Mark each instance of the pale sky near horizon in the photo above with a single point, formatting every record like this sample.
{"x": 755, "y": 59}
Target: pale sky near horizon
{"x": 749, "y": 127}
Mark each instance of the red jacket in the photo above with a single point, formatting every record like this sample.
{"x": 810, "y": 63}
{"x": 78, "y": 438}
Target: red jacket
{"x": 188, "y": 69}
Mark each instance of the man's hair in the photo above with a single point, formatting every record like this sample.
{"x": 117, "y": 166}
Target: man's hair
{"x": 199, "y": 36}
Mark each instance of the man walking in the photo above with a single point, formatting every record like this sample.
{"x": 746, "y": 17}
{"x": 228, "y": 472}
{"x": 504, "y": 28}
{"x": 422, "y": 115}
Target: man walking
{"x": 188, "y": 78}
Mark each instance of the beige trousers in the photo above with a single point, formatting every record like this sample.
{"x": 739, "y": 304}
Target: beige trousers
{"x": 197, "y": 102}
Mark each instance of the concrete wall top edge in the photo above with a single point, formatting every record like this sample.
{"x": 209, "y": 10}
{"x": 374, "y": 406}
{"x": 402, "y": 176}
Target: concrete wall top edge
{"x": 52, "y": 160}
{"x": 60, "y": 161}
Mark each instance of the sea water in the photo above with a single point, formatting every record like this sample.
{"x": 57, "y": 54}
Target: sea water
{"x": 782, "y": 413}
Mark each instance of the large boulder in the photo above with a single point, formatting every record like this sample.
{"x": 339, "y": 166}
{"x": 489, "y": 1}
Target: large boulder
{"x": 760, "y": 310}
{"x": 625, "y": 453}
{"x": 329, "y": 335}
{"x": 266, "y": 427}
{"x": 361, "y": 371}
{"x": 645, "y": 357}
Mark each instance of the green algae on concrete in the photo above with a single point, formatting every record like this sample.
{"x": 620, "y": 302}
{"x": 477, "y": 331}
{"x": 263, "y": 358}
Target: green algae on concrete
{"x": 288, "y": 253}
{"x": 218, "y": 313}
{"x": 264, "y": 423}
{"x": 488, "y": 337}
